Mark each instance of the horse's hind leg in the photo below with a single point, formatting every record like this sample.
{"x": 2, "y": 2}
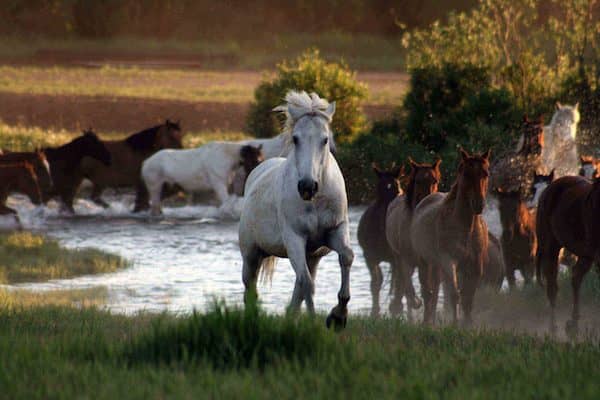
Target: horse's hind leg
{"x": 339, "y": 241}
{"x": 579, "y": 270}
{"x": 252, "y": 260}
{"x": 97, "y": 195}
{"x": 376, "y": 282}
{"x": 547, "y": 259}
{"x": 142, "y": 198}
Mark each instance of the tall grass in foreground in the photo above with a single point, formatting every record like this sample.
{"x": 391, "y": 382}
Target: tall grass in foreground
{"x": 27, "y": 257}
{"x": 228, "y": 353}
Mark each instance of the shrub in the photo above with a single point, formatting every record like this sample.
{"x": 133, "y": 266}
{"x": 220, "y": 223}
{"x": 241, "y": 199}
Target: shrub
{"x": 311, "y": 73}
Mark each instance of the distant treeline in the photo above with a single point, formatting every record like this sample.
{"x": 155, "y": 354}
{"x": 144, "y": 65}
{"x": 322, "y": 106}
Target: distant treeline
{"x": 221, "y": 19}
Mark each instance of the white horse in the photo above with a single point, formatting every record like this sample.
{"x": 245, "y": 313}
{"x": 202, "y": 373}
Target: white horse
{"x": 559, "y": 152}
{"x": 296, "y": 207}
{"x": 206, "y": 168}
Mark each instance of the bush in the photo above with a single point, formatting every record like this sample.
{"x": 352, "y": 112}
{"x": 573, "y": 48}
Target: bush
{"x": 311, "y": 73}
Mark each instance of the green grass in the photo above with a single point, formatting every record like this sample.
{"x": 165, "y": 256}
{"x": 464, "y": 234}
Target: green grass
{"x": 63, "y": 352}
{"x": 22, "y": 138}
{"x": 27, "y": 257}
{"x": 361, "y": 51}
{"x": 11, "y": 299}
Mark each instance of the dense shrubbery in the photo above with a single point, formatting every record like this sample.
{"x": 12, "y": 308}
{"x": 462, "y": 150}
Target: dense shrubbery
{"x": 447, "y": 107}
{"x": 311, "y": 73}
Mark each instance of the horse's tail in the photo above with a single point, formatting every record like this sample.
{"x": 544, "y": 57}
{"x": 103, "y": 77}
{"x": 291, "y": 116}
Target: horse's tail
{"x": 267, "y": 270}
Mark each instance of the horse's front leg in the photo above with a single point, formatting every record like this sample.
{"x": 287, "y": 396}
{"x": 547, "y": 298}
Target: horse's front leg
{"x": 339, "y": 241}
{"x": 295, "y": 246}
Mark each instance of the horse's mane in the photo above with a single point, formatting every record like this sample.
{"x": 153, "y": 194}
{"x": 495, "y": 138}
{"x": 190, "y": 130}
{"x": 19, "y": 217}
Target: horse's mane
{"x": 298, "y": 104}
{"x": 143, "y": 140}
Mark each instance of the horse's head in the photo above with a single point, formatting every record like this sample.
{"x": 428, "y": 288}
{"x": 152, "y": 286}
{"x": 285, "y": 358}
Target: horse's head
{"x": 388, "y": 182}
{"x": 508, "y": 204}
{"x": 169, "y": 136}
{"x": 538, "y": 185}
{"x": 423, "y": 180}
{"x": 590, "y": 167}
{"x": 533, "y": 137}
{"x": 28, "y": 184}
{"x": 90, "y": 145}
{"x": 308, "y": 119}
{"x": 250, "y": 157}
{"x": 472, "y": 179}
{"x": 567, "y": 117}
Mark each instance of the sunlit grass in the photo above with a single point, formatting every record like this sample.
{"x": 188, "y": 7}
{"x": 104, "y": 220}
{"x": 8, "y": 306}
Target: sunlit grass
{"x": 21, "y": 298}
{"x": 23, "y": 138}
{"x": 28, "y": 257}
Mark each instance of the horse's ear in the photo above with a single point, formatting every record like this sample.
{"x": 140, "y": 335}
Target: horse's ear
{"x": 486, "y": 155}
{"x": 577, "y": 106}
{"x": 412, "y": 162}
{"x": 330, "y": 110}
{"x": 463, "y": 153}
{"x": 376, "y": 168}
{"x": 558, "y": 105}
{"x": 436, "y": 163}
{"x": 551, "y": 176}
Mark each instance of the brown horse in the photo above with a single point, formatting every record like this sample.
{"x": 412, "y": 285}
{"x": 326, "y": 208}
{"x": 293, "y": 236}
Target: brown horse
{"x": 567, "y": 217}
{"x": 519, "y": 241}
{"x": 40, "y": 165}
{"x": 450, "y": 238}
{"x": 127, "y": 157}
{"x": 371, "y": 229}
{"x": 250, "y": 157}
{"x": 422, "y": 181}
{"x": 65, "y": 164}
{"x": 18, "y": 177}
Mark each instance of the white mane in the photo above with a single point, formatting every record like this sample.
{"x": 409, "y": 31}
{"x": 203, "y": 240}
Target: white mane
{"x": 299, "y": 104}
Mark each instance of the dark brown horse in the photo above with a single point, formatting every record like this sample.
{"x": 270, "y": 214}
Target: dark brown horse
{"x": 450, "y": 237}
{"x": 567, "y": 217}
{"x": 250, "y": 157}
{"x": 127, "y": 157}
{"x": 371, "y": 229}
{"x": 65, "y": 164}
{"x": 519, "y": 241}
{"x": 18, "y": 177}
{"x": 40, "y": 164}
{"x": 422, "y": 181}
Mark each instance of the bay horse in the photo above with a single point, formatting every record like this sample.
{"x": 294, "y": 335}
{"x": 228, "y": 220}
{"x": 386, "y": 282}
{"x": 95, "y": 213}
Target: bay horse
{"x": 127, "y": 156}
{"x": 65, "y": 164}
{"x": 567, "y": 217}
{"x": 590, "y": 167}
{"x": 296, "y": 208}
{"x": 18, "y": 177}
{"x": 40, "y": 165}
{"x": 450, "y": 238}
{"x": 519, "y": 242}
{"x": 423, "y": 180}
{"x": 250, "y": 156}
{"x": 371, "y": 228}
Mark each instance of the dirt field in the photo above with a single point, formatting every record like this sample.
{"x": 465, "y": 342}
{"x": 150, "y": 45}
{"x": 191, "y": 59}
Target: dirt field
{"x": 122, "y": 114}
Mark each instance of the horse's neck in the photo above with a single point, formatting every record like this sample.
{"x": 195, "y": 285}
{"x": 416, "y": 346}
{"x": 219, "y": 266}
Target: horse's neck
{"x": 461, "y": 214}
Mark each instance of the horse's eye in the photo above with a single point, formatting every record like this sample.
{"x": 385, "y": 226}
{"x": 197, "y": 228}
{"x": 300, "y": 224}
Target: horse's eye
{"x": 295, "y": 139}
{"x": 325, "y": 141}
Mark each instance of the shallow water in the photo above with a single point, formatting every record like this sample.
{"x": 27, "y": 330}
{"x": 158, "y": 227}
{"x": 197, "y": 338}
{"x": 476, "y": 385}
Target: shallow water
{"x": 188, "y": 258}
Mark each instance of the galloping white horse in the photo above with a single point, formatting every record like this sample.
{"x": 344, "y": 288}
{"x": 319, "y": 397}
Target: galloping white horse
{"x": 559, "y": 152}
{"x": 208, "y": 167}
{"x": 296, "y": 207}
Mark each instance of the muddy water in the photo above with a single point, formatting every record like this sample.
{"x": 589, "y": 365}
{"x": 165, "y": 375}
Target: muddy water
{"x": 188, "y": 258}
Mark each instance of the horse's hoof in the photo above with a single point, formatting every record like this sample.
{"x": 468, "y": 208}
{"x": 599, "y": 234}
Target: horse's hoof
{"x": 572, "y": 328}
{"x": 338, "y": 322}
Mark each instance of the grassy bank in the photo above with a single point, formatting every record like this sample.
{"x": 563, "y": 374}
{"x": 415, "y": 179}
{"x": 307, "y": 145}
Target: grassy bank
{"x": 65, "y": 352}
{"x": 27, "y": 257}
{"x": 22, "y": 138}
{"x": 361, "y": 51}
{"x": 168, "y": 84}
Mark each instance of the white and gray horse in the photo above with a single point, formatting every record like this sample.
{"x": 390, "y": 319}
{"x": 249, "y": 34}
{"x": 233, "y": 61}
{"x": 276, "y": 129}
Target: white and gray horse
{"x": 296, "y": 207}
{"x": 560, "y": 149}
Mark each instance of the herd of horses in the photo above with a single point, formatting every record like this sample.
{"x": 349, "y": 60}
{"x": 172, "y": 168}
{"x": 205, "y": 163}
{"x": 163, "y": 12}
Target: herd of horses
{"x": 296, "y": 206}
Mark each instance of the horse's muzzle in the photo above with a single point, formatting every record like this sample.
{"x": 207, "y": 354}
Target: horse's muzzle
{"x": 307, "y": 188}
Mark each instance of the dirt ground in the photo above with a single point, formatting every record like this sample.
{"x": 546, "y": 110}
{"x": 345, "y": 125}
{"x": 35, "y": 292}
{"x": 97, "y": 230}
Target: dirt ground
{"x": 119, "y": 114}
